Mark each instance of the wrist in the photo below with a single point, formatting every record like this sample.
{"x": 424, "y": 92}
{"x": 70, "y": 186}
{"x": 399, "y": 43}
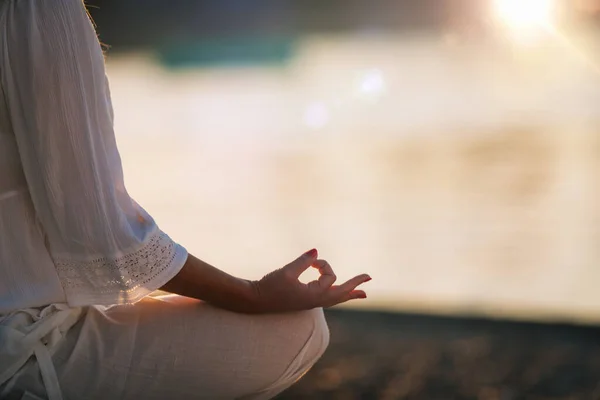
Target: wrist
{"x": 249, "y": 297}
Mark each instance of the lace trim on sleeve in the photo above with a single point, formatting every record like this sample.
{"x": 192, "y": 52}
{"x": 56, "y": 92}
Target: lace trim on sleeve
{"x": 126, "y": 276}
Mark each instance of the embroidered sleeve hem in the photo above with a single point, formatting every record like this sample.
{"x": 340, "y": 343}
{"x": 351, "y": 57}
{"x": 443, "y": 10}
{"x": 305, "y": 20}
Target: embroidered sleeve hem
{"x": 123, "y": 280}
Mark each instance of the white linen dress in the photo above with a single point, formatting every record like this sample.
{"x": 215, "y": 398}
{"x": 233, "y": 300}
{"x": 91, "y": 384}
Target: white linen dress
{"x": 78, "y": 256}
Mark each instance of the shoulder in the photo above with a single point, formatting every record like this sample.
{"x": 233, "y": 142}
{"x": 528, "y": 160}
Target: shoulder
{"x": 46, "y": 37}
{"x": 59, "y": 21}
{"x": 32, "y": 11}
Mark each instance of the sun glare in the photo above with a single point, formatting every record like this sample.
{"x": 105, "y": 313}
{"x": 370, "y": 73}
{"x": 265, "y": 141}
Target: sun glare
{"x": 525, "y": 16}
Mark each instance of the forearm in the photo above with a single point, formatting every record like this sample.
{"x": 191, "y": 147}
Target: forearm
{"x": 202, "y": 281}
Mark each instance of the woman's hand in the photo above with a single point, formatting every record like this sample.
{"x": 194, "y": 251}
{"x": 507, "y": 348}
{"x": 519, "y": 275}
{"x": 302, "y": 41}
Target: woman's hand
{"x": 281, "y": 290}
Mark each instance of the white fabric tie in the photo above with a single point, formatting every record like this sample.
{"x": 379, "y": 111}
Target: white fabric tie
{"x": 33, "y": 332}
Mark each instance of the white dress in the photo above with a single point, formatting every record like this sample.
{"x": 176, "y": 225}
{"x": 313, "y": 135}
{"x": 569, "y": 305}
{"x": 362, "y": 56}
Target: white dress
{"x": 72, "y": 241}
{"x": 70, "y": 233}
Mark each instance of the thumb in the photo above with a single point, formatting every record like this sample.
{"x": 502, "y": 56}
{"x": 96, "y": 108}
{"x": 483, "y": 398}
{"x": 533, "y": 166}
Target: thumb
{"x": 302, "y": 263}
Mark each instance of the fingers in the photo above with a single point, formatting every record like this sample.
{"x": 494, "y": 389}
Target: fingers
{"x": 347, "y": 291}
{"x": 323, "y": 288}
{"x": 327, "y": 277}
{"x": 302, "y": 263}
{"x": 353, "y": 295}
{"x": 351, "y": 284}
{"x": 356, "y": 294}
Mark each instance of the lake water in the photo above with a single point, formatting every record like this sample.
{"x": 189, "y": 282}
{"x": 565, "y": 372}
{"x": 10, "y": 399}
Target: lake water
{"x": 463, "y": 177}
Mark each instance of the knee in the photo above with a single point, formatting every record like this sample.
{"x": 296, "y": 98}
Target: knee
{"x": 317, "y": 336}
{"x": 307, "y": 337}
{"x": 321, "y": 329}
{"x": 305, "y": 340}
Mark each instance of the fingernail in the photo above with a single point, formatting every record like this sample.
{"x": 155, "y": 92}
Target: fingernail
{"x": 311, "y": 253}
{"x": 368, "y": 279}
{"x": 362, "y": 296}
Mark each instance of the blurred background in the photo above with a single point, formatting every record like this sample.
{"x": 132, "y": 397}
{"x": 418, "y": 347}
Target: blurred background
{"x": 449, "y": 148}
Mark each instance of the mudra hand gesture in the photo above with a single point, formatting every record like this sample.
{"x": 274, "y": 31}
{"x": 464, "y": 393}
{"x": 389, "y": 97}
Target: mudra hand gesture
{"x": 281, "y": 290}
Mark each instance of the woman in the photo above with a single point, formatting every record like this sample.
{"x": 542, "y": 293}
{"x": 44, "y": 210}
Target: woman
{"x": 78, "y": 256}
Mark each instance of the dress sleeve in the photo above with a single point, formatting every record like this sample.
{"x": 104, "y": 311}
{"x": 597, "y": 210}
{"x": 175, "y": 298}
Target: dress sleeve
{"x": 106, "y": 248}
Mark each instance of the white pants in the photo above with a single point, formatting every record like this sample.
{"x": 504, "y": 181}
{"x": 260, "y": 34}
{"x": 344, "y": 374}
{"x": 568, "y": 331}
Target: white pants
{"x": 173, "y": 347}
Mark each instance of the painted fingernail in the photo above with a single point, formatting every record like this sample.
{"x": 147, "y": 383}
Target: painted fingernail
{"x": 311, "y": 253}
{"x": 368, "y": 279}
{"x": 362, "y": 296}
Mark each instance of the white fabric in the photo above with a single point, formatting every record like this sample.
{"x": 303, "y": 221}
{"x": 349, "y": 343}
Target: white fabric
{"x": 72, "y": 240}
{"x": 69, "y": 232}
{"x": 34, "y": 332}
{"x": 174, "y": 347}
